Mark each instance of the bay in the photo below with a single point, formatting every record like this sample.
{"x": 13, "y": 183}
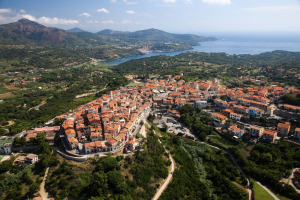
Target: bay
{"x": 234, "y": 44}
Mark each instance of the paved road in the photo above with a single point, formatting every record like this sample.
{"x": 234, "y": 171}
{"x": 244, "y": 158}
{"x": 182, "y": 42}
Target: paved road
{"x": 241, "y": 170}
{"x": 237, "y": 165}
{"x": 168, "y": 180}
{"x": 42, "y": 191}
{"x": 268, "y": 191}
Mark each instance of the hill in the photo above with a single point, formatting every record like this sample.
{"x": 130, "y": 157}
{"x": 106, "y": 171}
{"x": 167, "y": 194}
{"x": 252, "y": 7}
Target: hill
{"x": 154, "y": 36}
{"x": 111, "y": 32}
{"x": 75, "y": 30}
{"x": 25, "y": 31}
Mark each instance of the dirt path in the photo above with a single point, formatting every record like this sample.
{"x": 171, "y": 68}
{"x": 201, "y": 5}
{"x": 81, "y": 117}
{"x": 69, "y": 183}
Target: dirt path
{"x": 6, "y": 157}
{"x": 168, "y": 180}
{"x": 290, "y": 180}
{"x": 143, "y": 131}
{"x": 42, "y": 191}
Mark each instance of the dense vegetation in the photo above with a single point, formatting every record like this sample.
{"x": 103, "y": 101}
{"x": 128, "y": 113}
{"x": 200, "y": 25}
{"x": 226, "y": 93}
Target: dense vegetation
{"x": 203, "y": 173}
{"x": 24, "y": 180}
{"x": 291, "y": 99}
{"x": 58, "y": 101}
{"x": 269, "y": 163}
{"x": 105, "y": 178}
{"x": 196, "y": 120}
{"x": 276, "y": 66}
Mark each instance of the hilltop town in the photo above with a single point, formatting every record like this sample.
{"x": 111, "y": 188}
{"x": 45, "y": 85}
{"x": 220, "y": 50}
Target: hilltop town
{"x": 135, "y": 119}
{"x": 112, "y": 121}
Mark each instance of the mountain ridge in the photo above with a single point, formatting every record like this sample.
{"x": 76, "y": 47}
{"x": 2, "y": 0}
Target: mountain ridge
{"x": 29, "y": 32}
{"x": 25, "y": 31}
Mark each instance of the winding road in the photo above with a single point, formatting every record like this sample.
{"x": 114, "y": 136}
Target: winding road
{"x": 169, "y": 178}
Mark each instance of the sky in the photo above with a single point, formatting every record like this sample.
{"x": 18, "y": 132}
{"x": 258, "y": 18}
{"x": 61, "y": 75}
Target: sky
{"x": 177, "y": 16}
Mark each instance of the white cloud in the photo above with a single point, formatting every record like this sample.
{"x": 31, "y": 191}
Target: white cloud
{"x": 30, "y": 17}
{"x": 130, "y": 12}
{"x": 169, "y": 1}
{"x": 113, "y": 1}
{"x": 108, "y": 22}
{"x": 5, "y": 10}
{"x": 273, "y": 9}
{"x": 55, "y": 20}
{"x": 103, "y": 10}
{"x": 188, "y": 1}
{"x": 8, "y": 16}
{"x": 126, "y": 22}
{"x": 90, "y": 22}
{"x": 220, "y": 2}
{"x": 130, "y": 2}
{"x": 85, "y": 15}
{"x": 23, "y": 11}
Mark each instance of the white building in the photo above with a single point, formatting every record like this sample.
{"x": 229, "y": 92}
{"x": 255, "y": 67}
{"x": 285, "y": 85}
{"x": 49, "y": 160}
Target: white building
{"x": 5, "y": 148}
{"x": 235, "y": 116}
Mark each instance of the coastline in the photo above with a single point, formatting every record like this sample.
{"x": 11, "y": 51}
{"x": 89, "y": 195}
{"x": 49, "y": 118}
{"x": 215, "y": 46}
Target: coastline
{"x": 229, "y": 44}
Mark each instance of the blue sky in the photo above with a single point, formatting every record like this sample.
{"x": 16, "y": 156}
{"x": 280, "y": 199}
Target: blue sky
{"x": 178, "y": 16}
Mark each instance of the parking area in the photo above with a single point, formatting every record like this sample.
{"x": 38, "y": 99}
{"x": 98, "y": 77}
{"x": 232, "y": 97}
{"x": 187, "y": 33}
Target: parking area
{"x": 174, "y": 126}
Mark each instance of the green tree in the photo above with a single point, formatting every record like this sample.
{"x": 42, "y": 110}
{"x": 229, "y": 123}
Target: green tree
{"x": 6, "y": 166}
{"x": 114, "y": 178}
{"x": 262, "y": 120}
{"x": 229, "y": 121}
{"x": 16, "y": 142}
{"x": 267, "y": 157}
{"x": 23, "y": 141}
{"x": 98, "y": 186}
{"x": 58, "y": 122}
{"x": 41, "y": 137}
{"x": 32, "y": 140}
{"x": 34, "y": 187}
{"x": 2, "y": 131}
{"x": 165, "y": 128}
{"x": 223, "y": 97}
{"x": 107, "y": 164}
{"x": 45, "y": 148}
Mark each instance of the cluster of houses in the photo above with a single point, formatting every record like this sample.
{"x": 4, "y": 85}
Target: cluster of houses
{"x": 110, "y": 122}
{"x": 239, "y": 102}
{"x": 107, "y": 123}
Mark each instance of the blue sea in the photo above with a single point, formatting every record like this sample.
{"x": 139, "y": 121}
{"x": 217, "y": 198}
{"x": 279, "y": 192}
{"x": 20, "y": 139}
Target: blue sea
{"x": 235, "y": 44}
